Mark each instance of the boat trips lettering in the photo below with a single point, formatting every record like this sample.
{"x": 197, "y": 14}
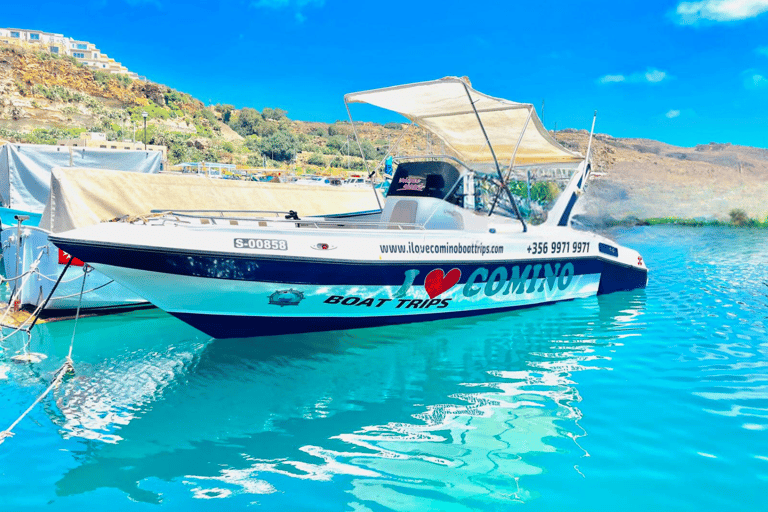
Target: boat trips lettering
{"x": 558, "y": 247}
{"x": 261, "y": 243}
{"x": 377, "y": 303}
{"x": 446, "y": 248}
{"x": 515, "y": 281}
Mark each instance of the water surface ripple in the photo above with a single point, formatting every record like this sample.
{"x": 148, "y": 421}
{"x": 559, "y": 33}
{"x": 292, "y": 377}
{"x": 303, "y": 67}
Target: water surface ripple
{"x": 656, "y": 398}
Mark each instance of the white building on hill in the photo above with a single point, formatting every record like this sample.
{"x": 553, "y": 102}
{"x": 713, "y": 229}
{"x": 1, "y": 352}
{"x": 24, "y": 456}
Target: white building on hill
{"x": 58, "y": 44}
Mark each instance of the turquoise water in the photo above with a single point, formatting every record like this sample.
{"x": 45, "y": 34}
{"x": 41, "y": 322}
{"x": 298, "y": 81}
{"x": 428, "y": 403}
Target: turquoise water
{"x": 650, "y": 400}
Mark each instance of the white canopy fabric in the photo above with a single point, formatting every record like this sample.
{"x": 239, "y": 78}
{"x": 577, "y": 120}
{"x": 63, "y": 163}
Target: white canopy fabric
{"x": 81, "y": 197}
{"x": 443, "y": 107}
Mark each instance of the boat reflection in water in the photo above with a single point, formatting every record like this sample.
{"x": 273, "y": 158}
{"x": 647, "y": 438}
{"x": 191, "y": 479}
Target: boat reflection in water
{"x": 460, "y": 413}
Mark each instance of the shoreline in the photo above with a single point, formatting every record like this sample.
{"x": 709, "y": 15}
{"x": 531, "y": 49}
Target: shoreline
{"x": 739, "y": 223}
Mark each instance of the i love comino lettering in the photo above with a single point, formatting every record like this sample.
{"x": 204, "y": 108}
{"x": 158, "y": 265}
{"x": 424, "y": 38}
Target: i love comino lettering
{"x": 481, "y": 280}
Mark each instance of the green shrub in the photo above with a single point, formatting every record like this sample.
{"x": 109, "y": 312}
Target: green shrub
{"x": 739, "y": 217}
{"x": 315, "y": 159}
{"x": 337, "y": 129}
{"x": 102, "y": 77}
{"x": 275, "y": 114}
{"x": 544, "y": 192}
{"x": 58, "y": 93}
{"x": 281, "y": 146}
{"x": 255, "y": 160}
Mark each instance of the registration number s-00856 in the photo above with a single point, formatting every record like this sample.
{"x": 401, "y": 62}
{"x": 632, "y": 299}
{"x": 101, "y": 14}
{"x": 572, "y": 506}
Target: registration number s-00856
{"x": 261, "y": 243}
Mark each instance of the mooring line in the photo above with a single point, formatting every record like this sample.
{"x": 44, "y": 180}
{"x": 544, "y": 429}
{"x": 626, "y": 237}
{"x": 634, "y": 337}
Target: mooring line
{"x": 67, "y": 367}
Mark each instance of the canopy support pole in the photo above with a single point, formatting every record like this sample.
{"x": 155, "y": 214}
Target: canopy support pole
{"x": 360, "y": 146}
{"x": 589, "y": 152}
{"x": 495, "y": 160}
{"x": 389, "y": 152}
{"x": 512, "y": 160}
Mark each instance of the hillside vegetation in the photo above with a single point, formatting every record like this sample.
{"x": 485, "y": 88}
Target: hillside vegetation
{"x": 45, "y": 97}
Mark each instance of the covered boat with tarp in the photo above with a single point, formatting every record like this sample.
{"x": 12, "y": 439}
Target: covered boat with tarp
{"x": 31, "y": 264}
{"x": 483, "y": 227}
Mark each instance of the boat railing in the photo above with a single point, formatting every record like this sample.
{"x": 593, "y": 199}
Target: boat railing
{"x": 280, "y": 217}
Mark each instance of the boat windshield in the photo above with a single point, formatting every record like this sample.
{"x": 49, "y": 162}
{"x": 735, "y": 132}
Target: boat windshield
{"x": 424, "y": 179}
{"x": 535, "y": 189}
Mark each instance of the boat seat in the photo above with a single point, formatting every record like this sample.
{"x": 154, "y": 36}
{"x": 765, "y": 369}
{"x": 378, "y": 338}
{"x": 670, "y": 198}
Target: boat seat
{"x": 403, "y": 212}
{"x": 430, "y": 212}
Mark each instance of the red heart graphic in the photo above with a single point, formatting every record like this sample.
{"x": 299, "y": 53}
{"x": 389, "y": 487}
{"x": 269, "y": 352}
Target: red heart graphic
{"x": 438, "y": 282}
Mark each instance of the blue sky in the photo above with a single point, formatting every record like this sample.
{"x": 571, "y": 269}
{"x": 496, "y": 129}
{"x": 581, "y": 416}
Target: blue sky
{"x": 685, "y": 73}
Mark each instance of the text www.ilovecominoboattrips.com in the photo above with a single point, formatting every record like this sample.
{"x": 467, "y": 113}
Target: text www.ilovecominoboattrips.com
{"x": 412, "y": 248}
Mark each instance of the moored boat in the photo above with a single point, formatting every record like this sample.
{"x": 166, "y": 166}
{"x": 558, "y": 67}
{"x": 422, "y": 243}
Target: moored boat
{"x": 451, "y": 240}
{"x": 31, "y": 264}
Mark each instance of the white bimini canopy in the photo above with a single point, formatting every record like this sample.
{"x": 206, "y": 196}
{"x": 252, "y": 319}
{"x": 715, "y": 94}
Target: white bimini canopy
{"x": 443, "y": 107}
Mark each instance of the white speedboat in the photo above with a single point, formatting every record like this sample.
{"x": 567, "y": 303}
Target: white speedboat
{"x": 356, "y": 182}
{"x": 319, "y": 181}
{"x": 450, "y": 241}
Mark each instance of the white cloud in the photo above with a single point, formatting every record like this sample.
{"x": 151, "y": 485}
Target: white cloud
{"x": 135, "y": 3}
{"x": 692, "y": 13}
{"x": 607, "y": 79}
{"x": 672, "y": 114}
{"x": 652, "y": 76}
{"x": 296, "y": 6}
{"x": 754, "y": 80}
{"x": 287, "y": 4}
{"x": 763, "y": 50}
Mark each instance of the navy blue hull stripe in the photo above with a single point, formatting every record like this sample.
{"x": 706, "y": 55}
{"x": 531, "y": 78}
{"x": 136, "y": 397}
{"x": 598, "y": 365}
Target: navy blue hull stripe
{"x": 290, "y": 270}
{"x": 619, "y": 278}
{"x": 226, "y": 326}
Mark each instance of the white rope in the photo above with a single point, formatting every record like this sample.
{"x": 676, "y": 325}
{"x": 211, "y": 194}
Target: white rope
{"x": 59, "y": 375}
{"x": 65, "y": 368}
{"x": 86, "y": 291}
{"x": 54, "y": 280}
{"x": 20, "y": 276}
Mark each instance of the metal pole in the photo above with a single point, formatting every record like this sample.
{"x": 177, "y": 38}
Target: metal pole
{"x": 589, "y": 151}
{"x": 495, "y": 160}
{"x": 48, "y": 298}
{"x": 144, "y": 115}
{"x": 512, "y": 160}
{"x": 365, "y": 163}
{"x": 19, "y": 219}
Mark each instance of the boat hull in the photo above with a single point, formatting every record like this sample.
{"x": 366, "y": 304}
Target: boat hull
{"x": 239, "y": 295}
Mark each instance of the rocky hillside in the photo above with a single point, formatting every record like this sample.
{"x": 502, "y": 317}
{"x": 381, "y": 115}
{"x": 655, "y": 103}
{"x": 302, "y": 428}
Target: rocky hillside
{"x": 38, "y": 90}
{"x": 44, "y": 97}
{"x": 641, "y": 178}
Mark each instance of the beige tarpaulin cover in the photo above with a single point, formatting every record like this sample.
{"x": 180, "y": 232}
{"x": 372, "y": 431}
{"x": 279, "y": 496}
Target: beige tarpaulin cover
{"x": 443, "y": 107}
{"x": 81, "y": 197}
